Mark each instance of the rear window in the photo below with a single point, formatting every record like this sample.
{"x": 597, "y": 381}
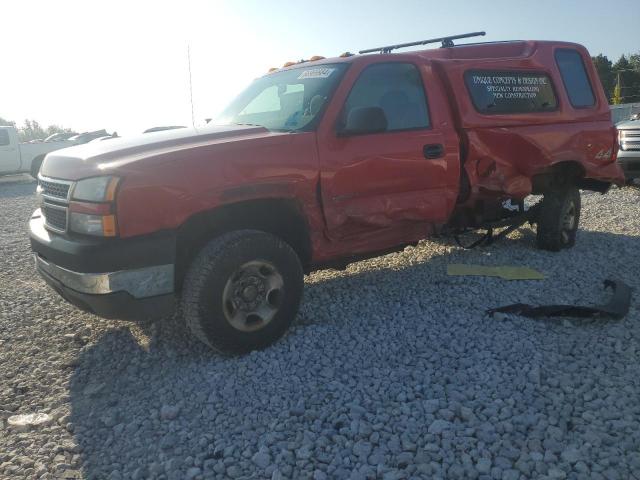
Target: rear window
{"x": 504, "y": 92}
{"x": 575, "y": 79}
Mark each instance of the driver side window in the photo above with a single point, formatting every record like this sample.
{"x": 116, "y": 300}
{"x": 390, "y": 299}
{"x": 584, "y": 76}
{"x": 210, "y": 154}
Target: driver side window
{"x": 397, "y": 89}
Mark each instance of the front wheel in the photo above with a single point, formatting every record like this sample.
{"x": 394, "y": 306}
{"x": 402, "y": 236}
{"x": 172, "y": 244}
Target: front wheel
{"x": 558, "y": 219}
{"x": 242, "y": 291}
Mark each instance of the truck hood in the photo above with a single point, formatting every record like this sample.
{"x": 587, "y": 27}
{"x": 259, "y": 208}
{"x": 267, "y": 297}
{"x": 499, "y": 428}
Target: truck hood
{"x": 98, "y": 158}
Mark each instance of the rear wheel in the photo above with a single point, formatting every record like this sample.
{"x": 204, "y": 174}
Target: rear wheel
{"x": 558, "y": 219}
{"x": 242, "y": 291}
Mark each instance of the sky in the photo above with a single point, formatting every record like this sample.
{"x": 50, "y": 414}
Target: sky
{"x": 122, "y": 65}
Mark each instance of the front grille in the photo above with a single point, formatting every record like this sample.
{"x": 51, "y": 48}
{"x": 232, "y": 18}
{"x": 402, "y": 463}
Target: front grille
{"x": 630, "y": 140}
{"x": 54, "y": 189}
{"x": 55, "y": 217}
{"x": 55, "y": 199}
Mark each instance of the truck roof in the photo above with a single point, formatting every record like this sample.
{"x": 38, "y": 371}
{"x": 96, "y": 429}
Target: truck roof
{"x": 452, "y": 65}
{"x": 493, "y": 50}
{"x": 510, "y": 49}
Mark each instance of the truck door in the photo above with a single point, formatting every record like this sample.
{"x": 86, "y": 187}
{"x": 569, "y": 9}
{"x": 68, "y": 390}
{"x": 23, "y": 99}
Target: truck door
{"x": 9, "y": 154}
{"x": 404, "y": 170}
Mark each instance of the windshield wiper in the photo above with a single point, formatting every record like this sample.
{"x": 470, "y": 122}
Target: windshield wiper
{"x": 283, "y": 130}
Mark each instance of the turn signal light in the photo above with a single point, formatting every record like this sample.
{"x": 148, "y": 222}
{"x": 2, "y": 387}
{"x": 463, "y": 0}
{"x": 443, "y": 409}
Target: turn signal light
{"x": 109, "y": 225}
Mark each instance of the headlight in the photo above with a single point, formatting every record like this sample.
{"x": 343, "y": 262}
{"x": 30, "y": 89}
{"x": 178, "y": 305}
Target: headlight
{"x": 92, "y": 208}
{"x": 621, "y": 136}
{"x": 97, "y": 189}
{"x": 99, "y": 225}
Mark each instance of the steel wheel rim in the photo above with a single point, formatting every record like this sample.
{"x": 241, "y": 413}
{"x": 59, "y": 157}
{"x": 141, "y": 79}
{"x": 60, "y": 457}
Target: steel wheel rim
{"x": 568, "y": 222}
{"x": 252, "y": 296}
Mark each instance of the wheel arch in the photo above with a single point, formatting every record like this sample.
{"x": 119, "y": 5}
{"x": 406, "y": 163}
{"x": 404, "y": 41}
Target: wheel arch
{"x": 283, "y": 217}
{"x": 558, "y": 175}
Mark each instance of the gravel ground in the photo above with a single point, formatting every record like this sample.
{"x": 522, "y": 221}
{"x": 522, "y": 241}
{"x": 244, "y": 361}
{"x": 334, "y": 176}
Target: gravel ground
{"x": 392, "y": 371}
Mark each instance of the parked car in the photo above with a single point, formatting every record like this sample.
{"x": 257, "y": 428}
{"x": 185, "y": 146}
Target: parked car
{"x": 161, "y": 129}
{"x": 86, "y": 137}
{"x": 16, "y": 157}
{"x": 58, "y": 137}
{"x": 320, "y": 164}
{"x": 107, "y": 137}
{"x": 629, "y": 153}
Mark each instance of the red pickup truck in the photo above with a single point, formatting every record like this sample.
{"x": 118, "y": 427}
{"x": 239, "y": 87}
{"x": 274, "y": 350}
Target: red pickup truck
{"x": 318, "y": 164}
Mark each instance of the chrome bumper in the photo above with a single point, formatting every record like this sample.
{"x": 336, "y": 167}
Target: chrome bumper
{"x": 139, "y": 283}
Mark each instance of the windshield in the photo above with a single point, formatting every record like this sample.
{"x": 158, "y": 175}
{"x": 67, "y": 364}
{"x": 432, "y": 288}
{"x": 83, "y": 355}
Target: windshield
{"x": 290, "y": 100}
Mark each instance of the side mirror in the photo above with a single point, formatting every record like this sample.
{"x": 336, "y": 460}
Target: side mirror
{"x": 362, "y": 120}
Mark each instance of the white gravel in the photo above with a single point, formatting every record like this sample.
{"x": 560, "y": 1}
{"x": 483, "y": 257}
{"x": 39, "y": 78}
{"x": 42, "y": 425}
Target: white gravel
{"x": 392, "y": 371}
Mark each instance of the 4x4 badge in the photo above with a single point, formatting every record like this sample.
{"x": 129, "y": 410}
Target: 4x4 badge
{"x": 603, "y": 154}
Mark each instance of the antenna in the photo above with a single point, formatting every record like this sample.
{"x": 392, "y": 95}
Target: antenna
{"x": 446, "y": 42}
{"x": 193, "y": 121}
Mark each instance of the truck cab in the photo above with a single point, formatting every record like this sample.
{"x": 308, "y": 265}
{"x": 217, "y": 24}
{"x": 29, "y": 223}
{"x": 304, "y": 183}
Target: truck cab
{"x": 16, "y": 157}
{"x": 10, "y": 160}
{"x": 318, "y": 164}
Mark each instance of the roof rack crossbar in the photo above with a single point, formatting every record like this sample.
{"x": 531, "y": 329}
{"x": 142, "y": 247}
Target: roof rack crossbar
{"x": 446, "y": 42}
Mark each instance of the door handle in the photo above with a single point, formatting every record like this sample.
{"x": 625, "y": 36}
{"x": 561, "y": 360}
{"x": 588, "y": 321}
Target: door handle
{"x": 433, "y": 150}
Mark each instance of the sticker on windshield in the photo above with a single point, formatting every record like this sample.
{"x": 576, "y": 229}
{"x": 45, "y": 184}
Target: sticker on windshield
{"x": 316, "y": 73}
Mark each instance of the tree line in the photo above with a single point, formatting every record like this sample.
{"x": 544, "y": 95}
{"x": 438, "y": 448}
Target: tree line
{"x": 32, "y": 130}
{"x": 621, "y": 80}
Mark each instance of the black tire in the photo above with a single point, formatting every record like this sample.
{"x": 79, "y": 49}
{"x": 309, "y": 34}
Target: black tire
{"x": 244, "y": 260}
{"x": 35, "y": 167}
{"x": 558, "y": 219}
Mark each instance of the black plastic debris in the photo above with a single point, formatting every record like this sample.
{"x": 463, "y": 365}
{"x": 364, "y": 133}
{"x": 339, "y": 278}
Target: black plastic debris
{"x": 617, "y": 307}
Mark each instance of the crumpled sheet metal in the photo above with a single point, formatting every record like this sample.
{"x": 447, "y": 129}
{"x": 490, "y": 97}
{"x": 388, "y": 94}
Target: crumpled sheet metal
{"x": 505, "y": 272}
{"x": 617, "y": 307}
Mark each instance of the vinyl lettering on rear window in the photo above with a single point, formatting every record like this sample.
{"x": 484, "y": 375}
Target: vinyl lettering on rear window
{"x": 575, "y": 78}
{"x": 505, "y": 92}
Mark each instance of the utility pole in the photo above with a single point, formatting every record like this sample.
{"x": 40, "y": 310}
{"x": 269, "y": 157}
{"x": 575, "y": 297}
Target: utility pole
{"x": 617, "y": 92}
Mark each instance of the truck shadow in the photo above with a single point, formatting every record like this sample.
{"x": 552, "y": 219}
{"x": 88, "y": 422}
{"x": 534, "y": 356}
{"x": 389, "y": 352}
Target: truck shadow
{"x": 442, "y": 346}
{"x": 17, "y": 186}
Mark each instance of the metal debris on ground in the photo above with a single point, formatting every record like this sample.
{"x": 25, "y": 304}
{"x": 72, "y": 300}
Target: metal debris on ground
{"x": 616, "y": 308}
{"x": 505, "y": 272}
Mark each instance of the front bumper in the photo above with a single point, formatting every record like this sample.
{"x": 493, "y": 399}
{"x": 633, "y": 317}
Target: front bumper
{"x": 629, "y": 161}
{"x": 108, "y": 278}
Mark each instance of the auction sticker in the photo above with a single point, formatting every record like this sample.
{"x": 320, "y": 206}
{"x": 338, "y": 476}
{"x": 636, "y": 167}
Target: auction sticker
{"x": 316, "y": 73}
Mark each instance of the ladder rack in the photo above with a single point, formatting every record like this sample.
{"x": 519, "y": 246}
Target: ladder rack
{"x": 446, "y": 42}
